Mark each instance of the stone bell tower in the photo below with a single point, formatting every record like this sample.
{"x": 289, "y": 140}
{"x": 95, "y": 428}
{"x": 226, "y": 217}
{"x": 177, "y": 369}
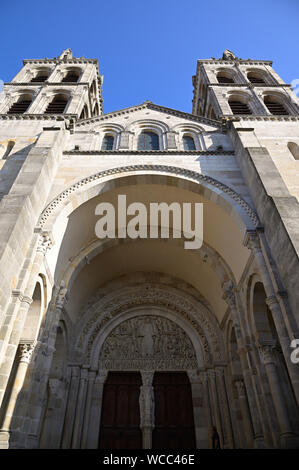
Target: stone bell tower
{"x": 232, "y": 86}
{"x": 63, "y": 85}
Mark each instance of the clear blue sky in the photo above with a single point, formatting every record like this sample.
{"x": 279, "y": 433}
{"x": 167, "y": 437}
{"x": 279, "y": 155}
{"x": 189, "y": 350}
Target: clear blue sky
{"x": 148, "y": 49}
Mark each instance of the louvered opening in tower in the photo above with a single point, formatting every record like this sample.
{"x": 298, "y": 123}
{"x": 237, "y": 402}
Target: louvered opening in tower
{"x": 255, "y": 79}
{"x": 224, "y": 79}
{"x": 57, "y": 106}
{"x": 20, "y": 107}
{"x": 39, "y": 79}
{"x": 71, "y": 77}
{"x": 275, "y": 108}
{"x": 238, "y": 107}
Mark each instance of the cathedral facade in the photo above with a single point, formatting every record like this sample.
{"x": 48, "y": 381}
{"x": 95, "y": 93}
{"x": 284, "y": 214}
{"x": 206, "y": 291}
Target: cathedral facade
{"x": 138, "y": 342}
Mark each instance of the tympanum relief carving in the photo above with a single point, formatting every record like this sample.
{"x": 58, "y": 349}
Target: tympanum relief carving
{"x": 147, "y": 343}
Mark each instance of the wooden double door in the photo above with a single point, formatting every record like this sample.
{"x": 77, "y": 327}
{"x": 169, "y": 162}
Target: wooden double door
{"x": 120, "y": 419}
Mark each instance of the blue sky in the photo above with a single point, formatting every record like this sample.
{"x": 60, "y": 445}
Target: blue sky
{"x": 148, "y": 49}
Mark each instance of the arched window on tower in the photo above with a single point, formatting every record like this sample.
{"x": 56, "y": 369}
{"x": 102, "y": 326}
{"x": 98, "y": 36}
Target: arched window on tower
{"x": 57, "y": 105}
{"x": 224, "y": 78}
{"x": 72, "y": 76}
{"x": 148, "y": 141}
{"x": 275, "y": 106}
{"x": 21, "y": 105}
{"x": 41, "y": 76}
{"x": 188, "y": 142}
{"x": 108, "y": 142}
{"x": 239, "y": 107}
{"x": 294, "y": 149}
{"x": 253, "y": 77}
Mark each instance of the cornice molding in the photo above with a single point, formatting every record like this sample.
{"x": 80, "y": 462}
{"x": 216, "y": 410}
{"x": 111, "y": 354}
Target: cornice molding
{"x": 236, "y": 61}
{"x": 149, "y": 152}
{"x": 39, "y": 117}
{"x": 45, "y": 83}
{"x": 153, "y": 106}
{"x": 266, "y": 117}
{"x": 60, "y": 61}
{"x": 252, "y": 85}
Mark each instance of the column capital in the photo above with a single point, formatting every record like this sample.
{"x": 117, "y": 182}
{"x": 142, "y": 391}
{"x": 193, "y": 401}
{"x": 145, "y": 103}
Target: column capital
{"x": 229, "y": 291}
{"x": 45, "y": 242}
{"x": 61, "y": 296}
{"x": 251, "y": 241}
{"x": 194, "y": 376}
{"x": 266, "y": 353}
{"x": 26, "y": 350}
{"x": 211, "y": 374}
{"x": 220, "y": 372}
{"x": 101, "y": 377}
{"x": 272, "y": 301}
{"x": 240, "y": 386}
{"x": 21, "y": 296}
{"x": 147, "y": 377}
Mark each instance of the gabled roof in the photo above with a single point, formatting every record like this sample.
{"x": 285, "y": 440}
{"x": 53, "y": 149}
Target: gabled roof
{"x": 155, "y": 107}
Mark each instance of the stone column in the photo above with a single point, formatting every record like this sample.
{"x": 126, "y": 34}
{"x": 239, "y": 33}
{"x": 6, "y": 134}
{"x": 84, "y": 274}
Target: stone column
{"x": 287, "y": 437}
{"x": 241, "y": 389}
{"x": 26, "y": 351}
{"x": 249, "y": 375}
{"x": 43, "y": 365}
{"x": 71, "y": 408}
{"x": 230, "y": 297}
{"x": 79, "y": 410}
{"x": 202, "y": 428}
{"x": 147, "y": 408}
{"x": 215, "y": 403}
{"x": 90, "y": 384}
{"x": 227, "y": 425}
{"x": 12, "y": 327}
{"x": 208, "y": 405}
{"x": 19, "y": 306}
{"x": 252, "y": 242}
{"x": 96, "y": 411}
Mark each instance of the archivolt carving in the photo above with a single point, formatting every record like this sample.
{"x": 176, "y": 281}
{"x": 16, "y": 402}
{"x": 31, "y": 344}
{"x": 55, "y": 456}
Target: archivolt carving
{"x": 199, "y": 178}
{"x": 109, "y": 308}
{"x": 147, "y": 343}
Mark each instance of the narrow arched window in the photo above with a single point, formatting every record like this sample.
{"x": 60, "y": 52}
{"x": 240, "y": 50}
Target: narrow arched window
{"x": 238, "y": 107}
{"x": 222, "y": 78}
{"x": 274, "y": 106}
{"x": 148, "y": 141}
{"x": 188, "y": 142}
{"x": 57, "y": 105}
{"x": 71, "y": 77}
{"x": 21, "y": 105}
{"x": 96, "y": 110}
{"x": 294, "y": 149}
{"x": 254, "y": 78}
{"x": 108, "y": 142}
